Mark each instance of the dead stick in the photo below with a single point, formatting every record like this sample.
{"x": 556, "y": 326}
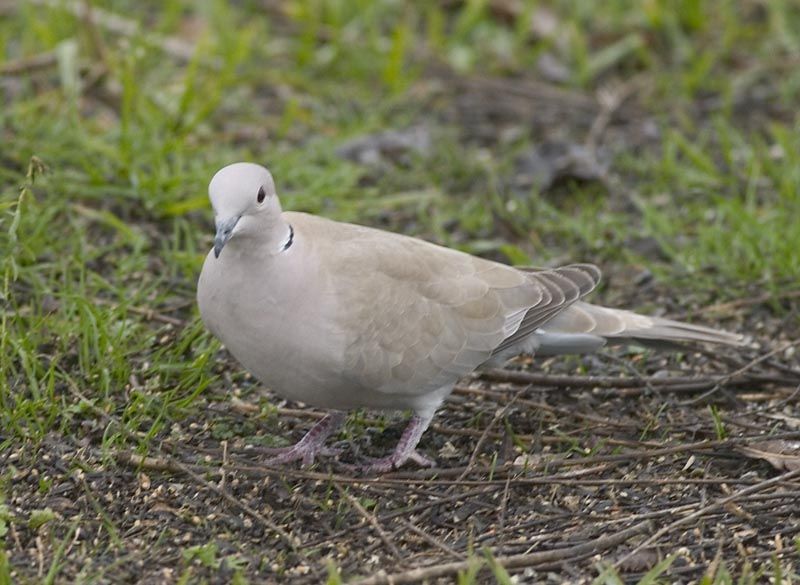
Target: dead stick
{"x": 514, "y": 561}
{"x": 474, "y": 456}
{"x": 546, "y": 407}
{"x": 432, "y": 476}
{"x": 761, "y": 486}
{"x": 407, "y": 512}
{"x": 703, "y": 445}
{"x": 748, "y": 366}
{"x": 430, "y": 539}
{"x": 241, "y": 407}
{"x": 371, "y": 520}
{"x": 529, "y": 378}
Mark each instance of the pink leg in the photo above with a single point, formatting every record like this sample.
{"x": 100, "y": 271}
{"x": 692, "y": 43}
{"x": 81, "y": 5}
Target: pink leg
{"x": 312, "y": 443}
{"x": 406, "y": 448}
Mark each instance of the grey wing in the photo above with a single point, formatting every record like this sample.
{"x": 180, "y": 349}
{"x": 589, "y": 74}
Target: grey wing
{"x": 563, "y": 287}
{"x": 422, "y": 316}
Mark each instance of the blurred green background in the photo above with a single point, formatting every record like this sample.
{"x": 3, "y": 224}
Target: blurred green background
{"x": 690, "y": 107}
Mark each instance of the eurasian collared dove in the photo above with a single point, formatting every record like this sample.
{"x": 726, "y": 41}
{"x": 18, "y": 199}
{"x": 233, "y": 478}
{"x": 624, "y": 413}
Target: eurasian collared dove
{"x": 341, "y": 316}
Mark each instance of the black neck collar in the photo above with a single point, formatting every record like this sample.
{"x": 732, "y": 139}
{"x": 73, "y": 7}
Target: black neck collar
{"x": 289, "y": 240}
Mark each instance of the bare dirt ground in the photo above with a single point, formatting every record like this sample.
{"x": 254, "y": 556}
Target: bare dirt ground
{"x": 628, "y": 458}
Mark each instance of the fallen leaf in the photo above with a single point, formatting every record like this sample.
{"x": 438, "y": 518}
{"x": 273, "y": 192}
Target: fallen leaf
{"x": 782, "y": 455}
{"x": 790, "y": 421}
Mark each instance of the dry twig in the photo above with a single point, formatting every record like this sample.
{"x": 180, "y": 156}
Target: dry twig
{"x": 371, "y": 520}
{"x": 430, "y": 539}
{"x": 748, "y": 366}
{"x": 549, "y": 557}
{"x": 675, "y": 384}
{"x": 716, "y": 504}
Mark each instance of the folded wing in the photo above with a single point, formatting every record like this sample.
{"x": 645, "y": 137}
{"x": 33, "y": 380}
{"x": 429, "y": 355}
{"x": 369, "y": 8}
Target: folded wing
{"x": 420, "y": 316}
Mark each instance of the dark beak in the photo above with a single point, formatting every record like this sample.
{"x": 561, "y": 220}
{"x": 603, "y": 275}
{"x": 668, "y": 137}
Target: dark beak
{"x": 224, "y": 233}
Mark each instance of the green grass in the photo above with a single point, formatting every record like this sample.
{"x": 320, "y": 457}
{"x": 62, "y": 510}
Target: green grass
{"x": 102, "y": 191}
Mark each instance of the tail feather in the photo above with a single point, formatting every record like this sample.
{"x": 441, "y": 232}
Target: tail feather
{"x": 617, "y": 325}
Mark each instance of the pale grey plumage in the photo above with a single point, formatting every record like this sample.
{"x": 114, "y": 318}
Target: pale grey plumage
{"x": 342, "y": 316}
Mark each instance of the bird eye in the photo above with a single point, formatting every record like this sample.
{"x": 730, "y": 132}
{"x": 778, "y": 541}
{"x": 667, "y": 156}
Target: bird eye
{"x": 261, "y": 194}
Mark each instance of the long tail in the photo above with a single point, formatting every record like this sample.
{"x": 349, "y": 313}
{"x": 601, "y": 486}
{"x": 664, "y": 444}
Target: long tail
{"x": 617, "y": 326}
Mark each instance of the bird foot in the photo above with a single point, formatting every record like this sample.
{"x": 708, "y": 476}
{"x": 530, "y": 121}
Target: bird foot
{"x": 311, "y": 445}
{"x": 304, "y": 453}
{"x": 406, "y": 449}
{"x": 391, "y": 462}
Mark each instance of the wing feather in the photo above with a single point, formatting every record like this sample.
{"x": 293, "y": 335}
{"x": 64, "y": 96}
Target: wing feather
{"x": 417, "y": 316}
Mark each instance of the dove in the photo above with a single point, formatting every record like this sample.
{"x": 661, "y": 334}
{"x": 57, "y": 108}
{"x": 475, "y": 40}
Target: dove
{"x": 341, "y": 316}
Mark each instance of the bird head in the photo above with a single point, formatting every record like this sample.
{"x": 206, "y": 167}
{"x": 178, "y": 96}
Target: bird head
{"x": 242, "y": 195}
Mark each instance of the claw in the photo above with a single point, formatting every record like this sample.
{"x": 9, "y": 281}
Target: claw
{"x": 406, "y": 450}
{"x": 312, "y": 443}
{"x": 390, "y": 463}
